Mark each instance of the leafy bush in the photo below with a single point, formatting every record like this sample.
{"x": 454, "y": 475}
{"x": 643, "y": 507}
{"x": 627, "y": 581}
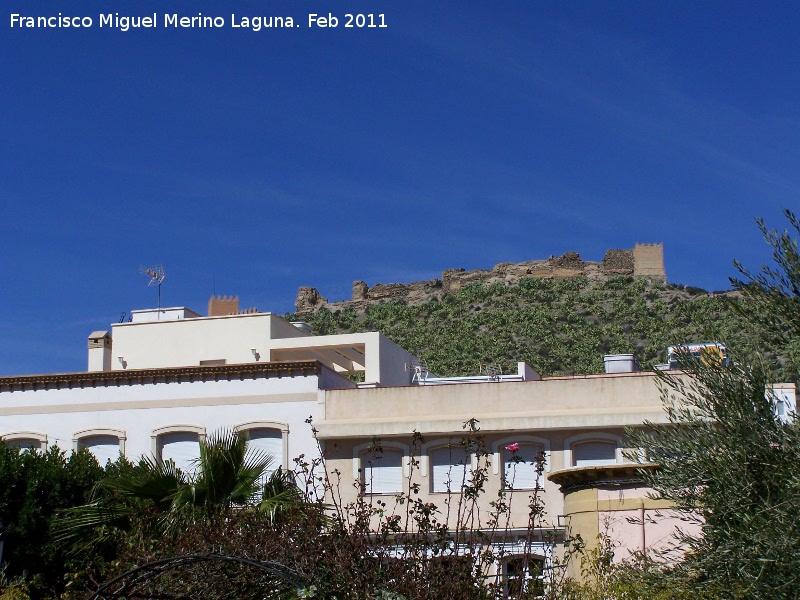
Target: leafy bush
{"x": 35, "y": 485}
{"x": 373, "y": 547}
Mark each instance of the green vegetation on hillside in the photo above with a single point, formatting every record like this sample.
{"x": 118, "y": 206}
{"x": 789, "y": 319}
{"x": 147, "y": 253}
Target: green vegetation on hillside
{"x": 558, "y": 326}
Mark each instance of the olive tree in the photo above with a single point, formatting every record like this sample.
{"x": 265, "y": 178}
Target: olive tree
{"x": 728, "y": 462}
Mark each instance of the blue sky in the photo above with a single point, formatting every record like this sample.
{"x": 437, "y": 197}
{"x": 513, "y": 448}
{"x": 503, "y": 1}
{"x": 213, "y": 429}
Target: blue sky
{"x": 464, "y": 134}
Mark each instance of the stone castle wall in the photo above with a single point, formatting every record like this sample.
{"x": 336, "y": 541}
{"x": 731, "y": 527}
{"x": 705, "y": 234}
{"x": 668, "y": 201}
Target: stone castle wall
{"x": 644, "y": 260}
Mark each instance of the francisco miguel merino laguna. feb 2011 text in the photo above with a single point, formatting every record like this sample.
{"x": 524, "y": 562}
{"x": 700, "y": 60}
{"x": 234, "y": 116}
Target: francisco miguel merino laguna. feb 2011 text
{"x": 199, "y": 21}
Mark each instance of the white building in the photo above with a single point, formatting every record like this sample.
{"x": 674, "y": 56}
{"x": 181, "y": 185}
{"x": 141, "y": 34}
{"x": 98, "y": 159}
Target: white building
{"x": 168, "y": 377}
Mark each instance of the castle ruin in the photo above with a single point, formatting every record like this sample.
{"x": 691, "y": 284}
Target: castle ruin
{"x": 643, "y": 260}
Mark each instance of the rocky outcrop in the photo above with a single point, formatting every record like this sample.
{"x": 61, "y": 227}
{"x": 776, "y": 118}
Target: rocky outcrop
{"x": 570, "y": 264}
{"x": 309, "y": 300}
{"x": 360, "y": 290}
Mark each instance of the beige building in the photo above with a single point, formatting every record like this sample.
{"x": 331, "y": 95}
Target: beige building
{"x": 589, "y": 480}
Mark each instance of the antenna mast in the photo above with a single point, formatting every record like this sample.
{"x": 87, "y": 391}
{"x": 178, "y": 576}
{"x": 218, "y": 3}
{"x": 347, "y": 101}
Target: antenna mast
{"x": 156, "y": 275}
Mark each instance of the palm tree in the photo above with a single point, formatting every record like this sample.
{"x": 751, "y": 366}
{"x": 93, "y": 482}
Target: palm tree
{"x": 228, "y": 475}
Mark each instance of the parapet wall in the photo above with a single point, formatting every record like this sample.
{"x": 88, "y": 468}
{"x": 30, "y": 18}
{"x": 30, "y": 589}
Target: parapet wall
{"x": 644, "y": 260}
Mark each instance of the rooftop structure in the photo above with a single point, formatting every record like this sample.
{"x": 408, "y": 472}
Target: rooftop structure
{"x": 159, "y": 382}
{"x": 178, "y": 337}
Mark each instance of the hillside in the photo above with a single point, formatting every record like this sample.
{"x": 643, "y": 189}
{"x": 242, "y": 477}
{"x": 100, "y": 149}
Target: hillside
{"x": 558, "y": 326}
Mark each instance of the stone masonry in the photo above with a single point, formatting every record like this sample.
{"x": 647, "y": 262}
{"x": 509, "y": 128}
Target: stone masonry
{"x": 644, "y": 260}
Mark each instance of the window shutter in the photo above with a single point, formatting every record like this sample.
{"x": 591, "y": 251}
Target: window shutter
{"x": 383, "y": 473}
{"x": 268, "y": 441}
{"x": 103, "y": 447}
{"x": 522, "y": 475}
{"x": 181, "y": 447}
{"x": 447, "y": 469}
{"x": 594, "y": 453}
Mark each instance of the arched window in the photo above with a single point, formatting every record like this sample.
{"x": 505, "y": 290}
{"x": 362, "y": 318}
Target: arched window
{"x": 269, "y": 442}
{"x": 449, "y": 468}
{"x": 179, "y": 443}
{"x": 269, "y": 437}
{"x": 523, "y": 465}
{"x": 382, "y": 471}
{"x": 587, "y": 454}
{"x": 532, "y": 453}
{"x": 25, "y": 440}
{"x": 592, "y": 449}
{"x": 104, "y": 444}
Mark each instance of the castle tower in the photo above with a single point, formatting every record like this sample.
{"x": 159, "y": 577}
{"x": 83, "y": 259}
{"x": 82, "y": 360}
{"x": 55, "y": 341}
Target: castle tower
{"x": 648, "y": 261}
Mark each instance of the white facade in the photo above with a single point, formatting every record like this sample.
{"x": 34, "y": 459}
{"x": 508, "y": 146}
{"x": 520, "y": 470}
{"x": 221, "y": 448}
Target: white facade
{"x": 159, "y": 383}
{"x": 180, "y": 338}
{"x": 144, "y": 408}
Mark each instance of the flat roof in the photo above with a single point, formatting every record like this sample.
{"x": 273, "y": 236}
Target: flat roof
{"x": 299, "y": 368}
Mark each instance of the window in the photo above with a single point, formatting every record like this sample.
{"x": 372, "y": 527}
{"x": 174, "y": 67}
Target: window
{"x": 104, "y": 447}
{"x": 25, "y": 440}
{"x": 269, "y": 442}
{"x": 521, "y": 468}
{"x": 597, "y": 452}
{"x": 448, "y": 468}
{"x": 523, "y": 576}
{"x": 183, "y": 448}
{"x": 382, "y": 471}
{"x": 24, "y": 443}
{"x": 104, "y": 444}
{"x": 784, "y": 396}
{"x": 179, "y": 443}
{"x": 522, "y": 474}
{"x": 593, "y": 449}
{"x": 268, "y": 437}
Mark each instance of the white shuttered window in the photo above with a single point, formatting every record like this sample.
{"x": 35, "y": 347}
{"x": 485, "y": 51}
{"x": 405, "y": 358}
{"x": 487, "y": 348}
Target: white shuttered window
{"x": 104, "y": 447}
{"x": 383, "y": 472}
{"x": 267, "y": 441}
{"x": 587, "y": 454}
{"x": 448, "y": 469}
{"x": 521, "y": 474}
{"x": 183, "y": 447}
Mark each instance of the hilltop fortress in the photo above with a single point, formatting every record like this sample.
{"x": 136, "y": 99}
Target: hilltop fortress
{"x": 643, "y": 260}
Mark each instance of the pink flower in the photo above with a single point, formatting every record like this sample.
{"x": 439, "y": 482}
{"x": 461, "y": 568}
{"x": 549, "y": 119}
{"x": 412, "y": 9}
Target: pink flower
{"x": 513, "y": 447}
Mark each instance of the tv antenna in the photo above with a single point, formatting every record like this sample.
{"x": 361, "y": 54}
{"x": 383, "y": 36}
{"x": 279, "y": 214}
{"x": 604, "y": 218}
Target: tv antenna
{"x": 156, "y": 275}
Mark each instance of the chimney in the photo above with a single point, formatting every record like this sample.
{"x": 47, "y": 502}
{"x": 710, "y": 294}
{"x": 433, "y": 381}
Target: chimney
{"x": 303, "y": 326}
{"x": 220, "y": 306}
{"x": 99, "y": 351}
{"x": 620, "y": 363}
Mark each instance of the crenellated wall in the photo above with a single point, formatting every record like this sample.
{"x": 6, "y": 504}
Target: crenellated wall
{"x": 222, "y": 306}
{"x": 644, "y": 260}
